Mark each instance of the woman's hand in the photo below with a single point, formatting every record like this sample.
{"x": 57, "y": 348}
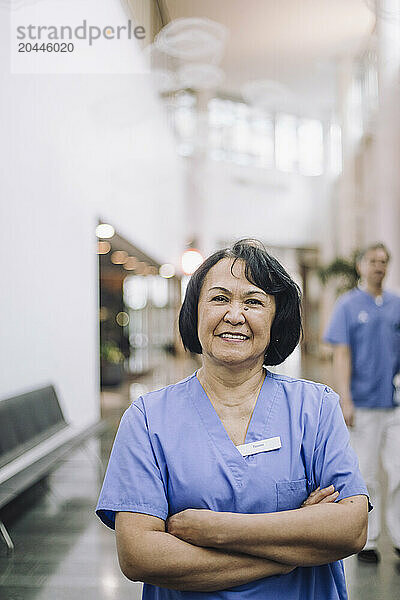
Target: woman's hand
{"x": 193, "y": 525}
{"x": 197, "y": 526}
{"x": 319, "y": 496}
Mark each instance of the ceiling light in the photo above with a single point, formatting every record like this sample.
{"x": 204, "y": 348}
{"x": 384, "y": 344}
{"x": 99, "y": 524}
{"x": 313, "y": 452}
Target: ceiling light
{"x": 195, "y": 39}
{"x": 119, "y": 257}
{"x": 131, "y": 263}
{"x": 191, "y": 260}
{"x": 122, "y": 319}
{"x": 167, "y": 270}
{"x": 105, "y": 231}
{"x": 103, "y": 247}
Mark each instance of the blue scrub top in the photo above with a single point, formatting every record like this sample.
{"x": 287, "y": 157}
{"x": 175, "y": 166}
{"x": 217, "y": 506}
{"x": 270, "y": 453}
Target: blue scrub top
{"x": 372, "y": 331}
{"x": 172, "y": 452}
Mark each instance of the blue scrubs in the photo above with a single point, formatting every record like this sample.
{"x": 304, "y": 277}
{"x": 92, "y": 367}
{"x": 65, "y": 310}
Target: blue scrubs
{"x": 172, "y": 452}
{"x": 372, "y": 331}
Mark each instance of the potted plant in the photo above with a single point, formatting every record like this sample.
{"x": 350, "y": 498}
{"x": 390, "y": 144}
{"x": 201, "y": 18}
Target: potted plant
{"x": 343, "y": 271}
{"x": 111, "y": 364}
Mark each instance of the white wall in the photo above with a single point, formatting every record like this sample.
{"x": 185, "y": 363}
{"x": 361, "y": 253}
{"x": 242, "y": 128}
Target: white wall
{"x": 75, "y": 148}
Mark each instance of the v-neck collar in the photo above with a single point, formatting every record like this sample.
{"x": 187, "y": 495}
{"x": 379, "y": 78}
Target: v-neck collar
{"x": 372, "y": 298}
{"x": 257, "y": 429}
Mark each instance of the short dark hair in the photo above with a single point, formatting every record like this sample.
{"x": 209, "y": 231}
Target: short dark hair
{"x": 264, "y": 271}
{"x": 374, "y": 246}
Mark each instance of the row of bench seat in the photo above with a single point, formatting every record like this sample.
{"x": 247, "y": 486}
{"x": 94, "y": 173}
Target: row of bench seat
{"x": 34, "y": 438}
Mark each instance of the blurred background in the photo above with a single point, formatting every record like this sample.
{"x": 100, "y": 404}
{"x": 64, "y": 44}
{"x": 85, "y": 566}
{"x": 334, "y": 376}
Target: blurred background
{"x": 278, "y": 120}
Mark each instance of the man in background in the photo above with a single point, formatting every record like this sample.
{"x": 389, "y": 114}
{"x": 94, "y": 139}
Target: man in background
{"x": 365, "y": 332}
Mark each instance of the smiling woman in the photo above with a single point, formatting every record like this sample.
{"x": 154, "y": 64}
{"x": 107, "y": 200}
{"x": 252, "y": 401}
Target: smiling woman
{"x": 235, "y": 479}
{"x": 234, "y": 316}
{"x": 262, "y": 273}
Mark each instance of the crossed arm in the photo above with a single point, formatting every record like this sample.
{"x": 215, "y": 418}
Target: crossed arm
{"x": 148, "y": 553}
{"x": 202, "y": 550}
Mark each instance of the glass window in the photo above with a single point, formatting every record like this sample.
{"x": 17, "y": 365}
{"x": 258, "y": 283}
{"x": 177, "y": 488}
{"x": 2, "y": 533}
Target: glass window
{"x": 263, "y": 140}
{"x": 311, "y": 147}
{"x": 356, "y": 125}
{"x": 135, "y": 292}
{"x": 248, "y": 135}
{"x": 286, "y": 142}
{"x": 220, "y": 113}
{"x": 158, "y": 291}
{"x": 185, "y": 122}
{"x": 335, "y": 149}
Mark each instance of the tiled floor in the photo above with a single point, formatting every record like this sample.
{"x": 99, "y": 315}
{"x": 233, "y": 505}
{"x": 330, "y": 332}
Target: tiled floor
{"x": 63, "y": 552}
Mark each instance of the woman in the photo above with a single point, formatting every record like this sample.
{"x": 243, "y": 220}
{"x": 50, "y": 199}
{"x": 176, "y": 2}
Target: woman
{"x": 221, "y": 486}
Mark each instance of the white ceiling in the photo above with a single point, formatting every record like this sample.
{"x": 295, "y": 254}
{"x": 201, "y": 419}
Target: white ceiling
{"x": 296, "y": 42}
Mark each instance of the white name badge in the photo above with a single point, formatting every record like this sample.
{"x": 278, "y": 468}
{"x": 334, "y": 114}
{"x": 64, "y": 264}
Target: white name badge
{"x": 260, "y": 446}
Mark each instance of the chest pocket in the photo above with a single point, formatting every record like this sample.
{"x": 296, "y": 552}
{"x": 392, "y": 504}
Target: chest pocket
{"x": 290, "y": 494}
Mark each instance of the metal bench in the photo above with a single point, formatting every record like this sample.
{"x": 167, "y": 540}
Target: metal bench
{"x": 34, "y": 437}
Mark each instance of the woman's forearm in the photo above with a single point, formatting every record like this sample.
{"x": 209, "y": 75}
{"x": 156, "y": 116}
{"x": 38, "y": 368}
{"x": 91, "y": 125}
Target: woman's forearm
{"x": 181, "y": 566}
{"x": 161, "y": 559}
{"x": 304, "y": 537}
